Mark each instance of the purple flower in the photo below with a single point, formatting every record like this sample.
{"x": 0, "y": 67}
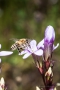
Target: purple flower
{"x": 49, "y": 42}
{"x": 33, "y": 49}
{"x": 46, "y": 46}
{"x": 5, "y": 53}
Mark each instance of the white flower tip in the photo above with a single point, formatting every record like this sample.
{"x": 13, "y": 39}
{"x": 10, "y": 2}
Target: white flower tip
{"x": 37, "y": 88}
{"x": 50, "y": 27}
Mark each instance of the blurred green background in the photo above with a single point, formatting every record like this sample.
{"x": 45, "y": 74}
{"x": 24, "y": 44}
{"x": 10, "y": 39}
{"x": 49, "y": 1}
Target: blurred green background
{"x": 27, "y": 19}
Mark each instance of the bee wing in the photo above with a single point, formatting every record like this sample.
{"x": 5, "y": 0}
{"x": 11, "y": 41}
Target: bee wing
{"x": 14, "y": 39}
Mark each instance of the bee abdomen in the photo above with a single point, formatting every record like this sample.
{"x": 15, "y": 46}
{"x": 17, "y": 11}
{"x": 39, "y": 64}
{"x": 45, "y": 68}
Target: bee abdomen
{"x": 13, "y": 47}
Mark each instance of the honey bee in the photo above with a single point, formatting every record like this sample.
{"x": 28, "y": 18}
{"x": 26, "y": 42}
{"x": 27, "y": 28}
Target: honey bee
{"x": 20, "y": 44}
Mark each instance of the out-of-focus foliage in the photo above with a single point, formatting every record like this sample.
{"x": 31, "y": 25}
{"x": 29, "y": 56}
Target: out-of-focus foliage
{"x": 27, "y": 19}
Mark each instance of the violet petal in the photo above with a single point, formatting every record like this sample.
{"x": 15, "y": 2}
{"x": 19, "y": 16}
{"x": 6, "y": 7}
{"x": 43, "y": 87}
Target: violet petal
{"x": 54, "y": 47}
{"x": 26, "y": 55}
{"x": 33, "y": 45}
{"x": 23, "y": 52}
{"x": 39, "y": 52}
{"x": 49, "y": 33}
{"x": 5, "y": 53}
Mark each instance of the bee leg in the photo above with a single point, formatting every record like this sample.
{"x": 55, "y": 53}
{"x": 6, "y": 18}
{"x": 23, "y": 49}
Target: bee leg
{"x": 17, "y": 46}
{"x": 19, "y": 50}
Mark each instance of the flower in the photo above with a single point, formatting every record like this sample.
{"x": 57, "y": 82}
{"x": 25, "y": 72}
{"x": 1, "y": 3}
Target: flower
{"x": 50, "y": 37}
{"x": 49, "y": 42}
{"x": 32, "y": 49}
{"x": 45, "y": 47}
{"x": 5, "y": 53}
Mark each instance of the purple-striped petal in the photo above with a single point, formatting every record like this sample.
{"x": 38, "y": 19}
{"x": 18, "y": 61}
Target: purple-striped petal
{"x": 5, "y": 53}
{"x": 26, "y": 55}
{"x": 29, "y": 49}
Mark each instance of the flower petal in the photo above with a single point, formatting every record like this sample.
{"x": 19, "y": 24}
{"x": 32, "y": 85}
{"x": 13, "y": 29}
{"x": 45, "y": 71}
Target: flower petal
{"x": 0, "y": 45}
{"x": 26, "y": 55}
{"x": 23, "y": 52}
{"x": 40, "y": 44}
{"x": 0, "y": 63}
{"x": 0, "y": 60}
{"x": 39, "y": 52}
{"x": 54, "y": 47}
{"x": 33, "y": 45}
{"x": 49, "y": 33}
{"x": 5, "y": 53}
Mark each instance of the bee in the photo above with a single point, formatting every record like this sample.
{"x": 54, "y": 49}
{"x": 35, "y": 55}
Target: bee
{"x": 20, "y": 44}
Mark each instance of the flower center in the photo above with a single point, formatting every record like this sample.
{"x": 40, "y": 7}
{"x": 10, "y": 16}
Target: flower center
{"x": 33, "y": 49}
